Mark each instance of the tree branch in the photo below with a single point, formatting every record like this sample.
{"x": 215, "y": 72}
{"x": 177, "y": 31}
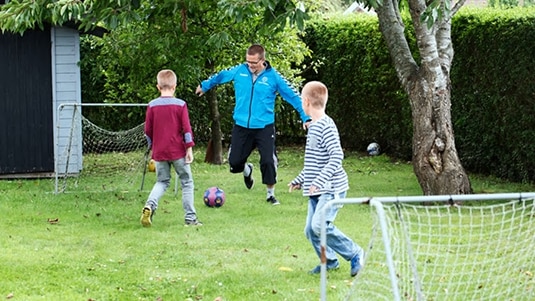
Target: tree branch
{"x": 394, "y": 34}
{"x": 456, "y": 8}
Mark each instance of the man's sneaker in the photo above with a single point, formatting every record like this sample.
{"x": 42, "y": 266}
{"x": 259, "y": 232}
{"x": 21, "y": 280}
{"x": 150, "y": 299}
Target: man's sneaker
{"x": 272, "y": 200}
{"x": 249, "y": 181}
{"x": 356, "y": 265}
{"x": 146, "y": 216}
{"x": 331, "y": 265}
{"x": 193, "y": 223}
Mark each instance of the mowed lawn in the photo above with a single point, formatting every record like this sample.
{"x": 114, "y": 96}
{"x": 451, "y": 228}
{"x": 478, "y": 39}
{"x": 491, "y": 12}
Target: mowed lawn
{"x": 88, "y": 244}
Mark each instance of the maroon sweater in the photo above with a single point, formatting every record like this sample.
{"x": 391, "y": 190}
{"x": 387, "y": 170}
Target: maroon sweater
{"x": 168, "y": 127}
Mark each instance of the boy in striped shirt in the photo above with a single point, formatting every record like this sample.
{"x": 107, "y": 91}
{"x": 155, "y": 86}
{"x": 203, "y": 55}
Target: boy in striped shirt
{"x": 323, "y": 179}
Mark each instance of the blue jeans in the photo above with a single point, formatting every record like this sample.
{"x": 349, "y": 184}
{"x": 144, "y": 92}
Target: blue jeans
{"x": 337, "y": 242}
{"x": 163, "y": 174}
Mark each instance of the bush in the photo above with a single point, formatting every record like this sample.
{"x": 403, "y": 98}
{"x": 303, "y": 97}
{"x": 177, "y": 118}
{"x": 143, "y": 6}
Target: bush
{"x": 365, "y": 97}
{"x": 493, "y": 90}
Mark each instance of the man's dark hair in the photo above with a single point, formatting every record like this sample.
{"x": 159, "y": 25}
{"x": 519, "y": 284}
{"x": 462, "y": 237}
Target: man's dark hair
{"x": 256, "y": 49}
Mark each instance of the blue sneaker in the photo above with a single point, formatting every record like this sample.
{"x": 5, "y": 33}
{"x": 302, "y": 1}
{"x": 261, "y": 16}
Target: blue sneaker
{"x": 331, "y": 265}
{"x": 356, "y": 265}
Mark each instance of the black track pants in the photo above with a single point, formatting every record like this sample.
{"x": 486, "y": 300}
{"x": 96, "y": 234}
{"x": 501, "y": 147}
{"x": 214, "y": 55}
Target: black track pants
{"x": 244, "y": 141}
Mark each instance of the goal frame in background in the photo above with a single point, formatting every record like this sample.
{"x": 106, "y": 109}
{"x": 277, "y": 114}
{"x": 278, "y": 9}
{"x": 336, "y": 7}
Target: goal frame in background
{"x": 68, "y": 152}
{"x": 393, "y": 273}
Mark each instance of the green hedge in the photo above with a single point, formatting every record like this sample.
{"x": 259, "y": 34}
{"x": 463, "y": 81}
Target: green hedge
{"x": 493, "y": 88}
{"x": 365, "y": 97}
{"x": 493, "y": 96}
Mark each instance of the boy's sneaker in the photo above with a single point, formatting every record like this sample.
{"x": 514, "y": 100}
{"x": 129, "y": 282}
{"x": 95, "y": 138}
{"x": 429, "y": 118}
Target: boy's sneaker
{"x": 249, "y": 181}
{"x": 193, "y": 223}
{"x": 146, "y": 216}
{"x": 272, "y": 200}
{"x": 356, "y": 265}
{"x": 331, "y": 265}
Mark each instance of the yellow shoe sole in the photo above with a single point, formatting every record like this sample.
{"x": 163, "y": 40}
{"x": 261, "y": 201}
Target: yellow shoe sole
{"x": 145, "y": 217}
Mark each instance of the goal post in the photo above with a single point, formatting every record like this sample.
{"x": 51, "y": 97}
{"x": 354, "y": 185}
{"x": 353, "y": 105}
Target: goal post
{"x": 446, "y": 247}
{"x": 83, "y": 148}
{"x": 90, "y": 158}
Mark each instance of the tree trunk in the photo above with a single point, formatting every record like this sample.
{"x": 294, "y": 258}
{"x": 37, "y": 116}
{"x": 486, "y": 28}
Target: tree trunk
{"x": 214, "y": 150}
{"x": 435, "y": 159}
{"x": 434, "y": 156}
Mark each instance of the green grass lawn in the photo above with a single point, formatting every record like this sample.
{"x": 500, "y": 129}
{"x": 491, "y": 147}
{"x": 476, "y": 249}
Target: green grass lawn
{"x": 246, "y": 250}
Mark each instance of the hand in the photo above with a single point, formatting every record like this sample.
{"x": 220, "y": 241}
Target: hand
{"x": 313, "y": 190}
{"x": 293, "y": 187}
{"x": 199, "y": 91}
{"x": 189, "y": 156}
{"x": 306, "y": 125}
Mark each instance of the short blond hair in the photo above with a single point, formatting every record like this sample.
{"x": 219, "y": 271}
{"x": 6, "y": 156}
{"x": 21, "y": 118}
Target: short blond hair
{"x": 317, "y": 93}
{"x": 166, "y": 79}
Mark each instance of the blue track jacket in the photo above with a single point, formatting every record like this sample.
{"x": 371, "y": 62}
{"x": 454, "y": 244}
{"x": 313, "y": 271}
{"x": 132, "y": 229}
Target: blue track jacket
{"x": 255, "y": 101}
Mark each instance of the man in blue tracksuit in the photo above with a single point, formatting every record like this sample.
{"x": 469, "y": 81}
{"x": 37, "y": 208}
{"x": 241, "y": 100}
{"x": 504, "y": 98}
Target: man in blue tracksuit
{"x": 256, "y": 84}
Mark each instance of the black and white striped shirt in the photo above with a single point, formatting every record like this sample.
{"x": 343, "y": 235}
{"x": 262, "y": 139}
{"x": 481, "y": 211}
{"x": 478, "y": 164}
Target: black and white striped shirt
{"x": 323, "y": 159}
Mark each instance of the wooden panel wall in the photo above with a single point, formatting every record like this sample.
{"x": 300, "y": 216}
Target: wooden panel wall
{"x": 26, "y": 125}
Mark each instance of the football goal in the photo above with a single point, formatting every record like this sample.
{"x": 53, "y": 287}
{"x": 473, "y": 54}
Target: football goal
{"x": 91, "y": 158}
{"x": 458, "y": 247}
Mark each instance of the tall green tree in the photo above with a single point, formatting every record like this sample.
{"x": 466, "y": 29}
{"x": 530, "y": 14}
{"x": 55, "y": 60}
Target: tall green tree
{"x": 195, "y": 43}
{"x": 193, "y": 37}
{"x": 21, "y": 15}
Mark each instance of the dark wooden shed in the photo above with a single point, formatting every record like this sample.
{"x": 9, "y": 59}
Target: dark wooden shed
{"x": 38, "y": 72}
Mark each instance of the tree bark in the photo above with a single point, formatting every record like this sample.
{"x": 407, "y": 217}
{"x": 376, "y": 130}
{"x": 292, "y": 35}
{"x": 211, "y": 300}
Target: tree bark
{"x": 214, "y": 150}
{"x": 435, "y": 160}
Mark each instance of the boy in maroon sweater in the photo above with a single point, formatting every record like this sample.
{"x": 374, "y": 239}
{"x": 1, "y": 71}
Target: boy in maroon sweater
{"x": 168, "y": 131}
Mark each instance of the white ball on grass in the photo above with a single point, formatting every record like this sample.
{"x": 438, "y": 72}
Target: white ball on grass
{"x": 373, "y": 149}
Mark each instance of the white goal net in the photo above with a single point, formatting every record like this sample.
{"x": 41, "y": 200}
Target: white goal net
{"x": 462, "y": 247}
{"x": 91, "y": 158}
